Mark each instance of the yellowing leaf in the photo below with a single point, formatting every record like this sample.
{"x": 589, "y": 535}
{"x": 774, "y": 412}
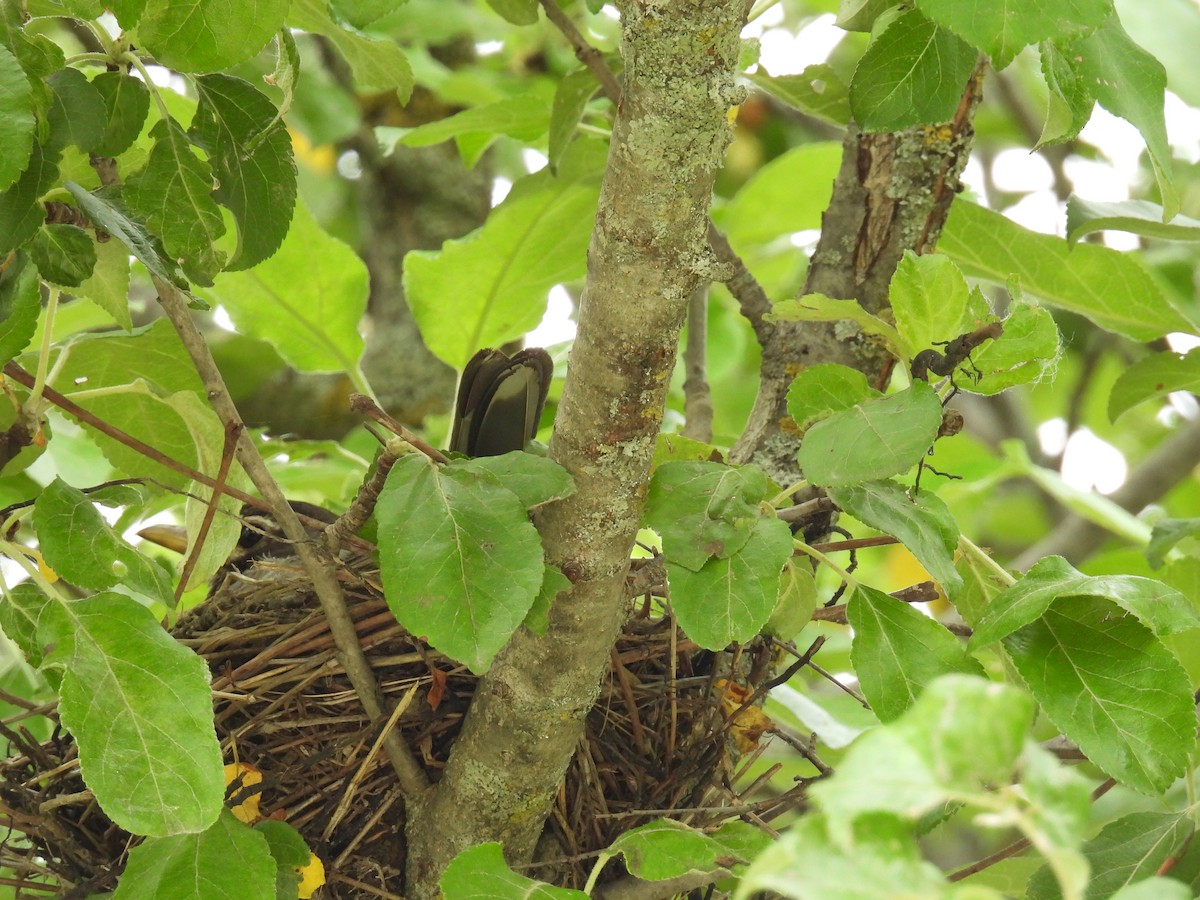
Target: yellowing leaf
{"x": 243, "y": 776}
{"x": 312, "y": 876}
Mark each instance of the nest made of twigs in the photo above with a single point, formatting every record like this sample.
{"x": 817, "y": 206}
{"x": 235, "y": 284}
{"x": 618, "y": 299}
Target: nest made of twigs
{"x": 655, "y": 742}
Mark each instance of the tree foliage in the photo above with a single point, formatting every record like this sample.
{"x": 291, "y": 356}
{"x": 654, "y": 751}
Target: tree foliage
{"x": 190, "y": 201}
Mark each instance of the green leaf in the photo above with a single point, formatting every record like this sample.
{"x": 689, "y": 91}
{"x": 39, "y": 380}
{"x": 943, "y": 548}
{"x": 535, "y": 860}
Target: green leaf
{"x": 21, "y": 615}
{"x": 376, "y": 66}
{"x": 795, "y": 604}
{"x": 821, "y": 390}
{"x": 923, "y": 524}
{"x": 1155, "y": 888}
{"x": 819, "y": 308}
{"x": 1135, "y": 216}
{"x": 1025, "y": 353}
{"x": 460, "y": 560}
{"x": 108, "y": 285}
{"x": 898, "y": 651}
{"x": 818, "y": 91}
{"x": 730, "y": 598}
{"x": 535, "y": 480}
{"x": 666, "y": 849}
{"x": 500, "y": 274}
{"x": 76, "y": 115}
{"x": 1110, "y": 288}
{"x": 983, "y": 581}
{"x": 571, "y": 98}
{"x": 65, "y": 254}
{"x": 1154, "y": 376}
{"x": 1059, "y": 815}
{"x": 16, "y": 119}
{"x": 933, "y": 753}
{"x": 876, "y": 439}
{"x": 1161, "y": 608}
{"x": 1002, "y": 31}
{"x": 20, "y": 305}
{"x": 1070, "y": 100}
{"x": 254, "y": 169}
{"x": 81, "y": 547}
{"x": 912, "y": 74}
{"x": 206, "y": 35}
{"x": 1166, "y": 534}
{"x": 480, "y": 873}
{"x": 111, "y": 218}
{"x": 140, "y": 708}
{"x": 525, "y": 116}
{"x": 173, "y": 193}
{"x": 312, "y": 321}
{"x": 1125, "y": 852}
{"x": 786, "y": 195}
{"x": 21, "y": 212}
{"x": 225, "y": 861}
{"x": 1130, "y": 83}
{"x": 518, "y": 12}
{"x": 806, "y": 863}
{"x": 929, "y": 298}
{"x": 704, "y": 509}
{"x": 1106, "y": 681}
{"x": 38, "y": 55}
{"x": 126, "y": 102}
{"x": 103, "y": 360}
{"x": 289, "y": 852}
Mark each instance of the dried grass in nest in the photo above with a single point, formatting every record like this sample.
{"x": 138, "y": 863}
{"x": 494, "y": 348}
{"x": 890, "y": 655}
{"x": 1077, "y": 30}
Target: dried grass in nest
{"x": 656, "y": 741}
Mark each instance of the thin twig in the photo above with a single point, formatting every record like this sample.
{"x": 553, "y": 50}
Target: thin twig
{"x": 584, "y": 52}
{"x": 317, "y": 560}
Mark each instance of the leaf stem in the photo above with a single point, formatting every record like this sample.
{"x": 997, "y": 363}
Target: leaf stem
{"x": 39, "y": 381}
{"x": 969, "y": 548}
{"x": 820, "y": 557}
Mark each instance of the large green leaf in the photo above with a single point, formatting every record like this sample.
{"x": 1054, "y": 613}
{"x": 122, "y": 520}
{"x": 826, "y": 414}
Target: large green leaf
{"x": 818, "y": 91}
{"x": 1025, "y": 353}
{"x": 76, "y": 115}
{"x": 923, "y": 524}
{"x": 1070, "y": 99}
{"x": 820, "y": 390}
{"x": 1108, "y": 287}
{"x": 912, "y": 74}
{"x": 20, "y": 305}
{"x": 255, "y": 172}
{"x": 1160, "y": 607}
{"x": 498, "y": 276}
{"x": 16, "y": 119}
{"x": 206, "y": 35}
{"x": 377, "y": 66}
{"x": 1002, "y": 30}
{"x": 1142, "y": 217}
{"x": 787, "y": 194}
{"x": 480, "y": 873}
{"x": 729, "y": 599}
{"x": 21, "y": 212}
{"x": 81, "y": 547}
{"x": 1106, "y": 681}
{"x": 173, "y": 194}
{"x": 819, "y": 308}
{"x": 1154, "y": 376}
{"x": 227, "y": 860}
{"x": 703, "y": 509}
{"x": 666, "y": 849}
{"x": 1126, "y": 851}
{"x": 931, "y": 302}
{"x": 460, "y": 560}
{"x": 1130, "y": 83}
{"x": 876, "y": 439}
{"x": 898, "y": 651}
{"x": 64, "y": 254}
{"x": 126, "y": 103}
{"x": 139, "y": 706}
{"x": 109, "y": 216}
{"x": 311, "y": 320}
{"x": 571, "y": 98}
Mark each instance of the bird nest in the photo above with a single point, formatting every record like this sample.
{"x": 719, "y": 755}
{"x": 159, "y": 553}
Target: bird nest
{"x": 655, "y": 742}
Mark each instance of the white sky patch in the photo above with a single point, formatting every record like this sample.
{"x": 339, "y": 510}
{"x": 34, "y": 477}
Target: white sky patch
{"x": 489, "y": 48}
{"x": 221, "y": 319}
{"x": 1089, "y": 462}
{"x": 557, "y": 325}
{"x": 1052, "y": 436}
{"x": 1019, "y": 171}
{"x": 533, "y": 160}
{"x": 1182, "y": 342}
{"x": 500, "y": 189}
{"x": 1038, "y": 212}
{"x": 786, "y": 53}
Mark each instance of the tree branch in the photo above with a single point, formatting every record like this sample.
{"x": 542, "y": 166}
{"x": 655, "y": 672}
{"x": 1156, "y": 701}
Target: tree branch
{"x": 649, "y": 252}
{"x": 317, "y": 559}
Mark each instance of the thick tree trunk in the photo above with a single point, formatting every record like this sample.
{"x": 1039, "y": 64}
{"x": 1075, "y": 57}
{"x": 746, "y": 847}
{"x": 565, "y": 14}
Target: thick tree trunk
{"x": 649, "y": 251}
